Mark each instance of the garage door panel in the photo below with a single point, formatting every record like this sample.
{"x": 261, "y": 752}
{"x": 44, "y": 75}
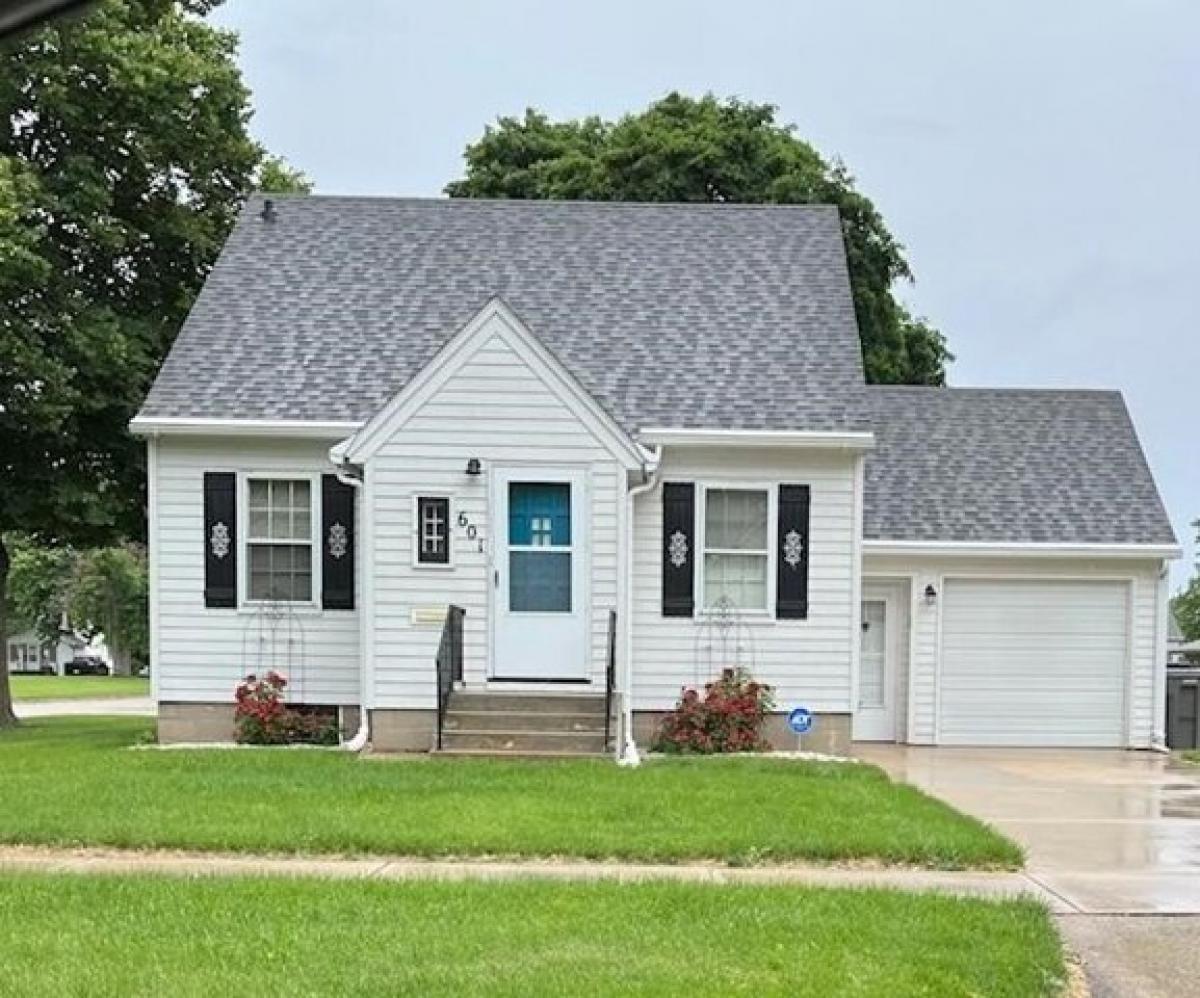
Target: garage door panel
{"x": 1033, "y": 663}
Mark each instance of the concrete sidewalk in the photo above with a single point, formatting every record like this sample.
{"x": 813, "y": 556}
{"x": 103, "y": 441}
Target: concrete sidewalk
{"x": 84, "y": 705}
{"x": 105, "y": 861}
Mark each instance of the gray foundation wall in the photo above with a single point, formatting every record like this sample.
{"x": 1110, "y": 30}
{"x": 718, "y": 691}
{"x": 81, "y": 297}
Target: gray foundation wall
{"x": 415, "y": 730}
{"x": 403, "y": 730}
{"x": 204, "y": 723}
{"x": 830, "y": 733}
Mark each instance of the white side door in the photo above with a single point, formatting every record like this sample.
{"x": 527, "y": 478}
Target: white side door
{"x": 539, "y": 574}
{"x": 875, "y": 711}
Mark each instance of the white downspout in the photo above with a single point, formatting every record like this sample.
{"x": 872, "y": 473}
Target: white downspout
{"x": 363, "y": 735}
{"x": 1162, "y": 616}
{"x": 629, "y": 754}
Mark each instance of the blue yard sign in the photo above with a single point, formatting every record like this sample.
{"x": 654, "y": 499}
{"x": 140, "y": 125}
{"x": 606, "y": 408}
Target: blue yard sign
{"x": 800, "y": 720}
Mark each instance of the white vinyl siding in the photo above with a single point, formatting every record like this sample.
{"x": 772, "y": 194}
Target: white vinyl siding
{"x": 202, "y": 653}
{"x": 933, "y": 634}
{"x": 498, "y": 406}
{"x": 1029, "y": 662}
{"x": 807, "y": 661}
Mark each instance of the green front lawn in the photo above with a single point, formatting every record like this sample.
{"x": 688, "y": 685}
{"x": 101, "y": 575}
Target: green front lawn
{"x": 143, "y": 936}
{"x": 77, "y": 687}
{"x": 73, "y": 781}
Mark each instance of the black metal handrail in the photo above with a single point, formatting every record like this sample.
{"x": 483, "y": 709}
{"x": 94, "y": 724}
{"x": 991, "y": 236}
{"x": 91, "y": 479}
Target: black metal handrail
{"x": 449, "y": 662}
{"x": 610, "y": 676}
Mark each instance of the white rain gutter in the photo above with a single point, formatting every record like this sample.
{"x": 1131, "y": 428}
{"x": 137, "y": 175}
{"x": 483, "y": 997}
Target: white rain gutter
{"x": 301, "y": 429}
{"x": 678, "y": 436}
{"x": 629, "y": 754}
{"x": 994, "y": 549}
{"x": 363, "y": 735}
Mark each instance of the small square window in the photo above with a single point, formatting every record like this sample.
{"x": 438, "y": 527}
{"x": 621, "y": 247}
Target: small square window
{"x": 433, "y": 530}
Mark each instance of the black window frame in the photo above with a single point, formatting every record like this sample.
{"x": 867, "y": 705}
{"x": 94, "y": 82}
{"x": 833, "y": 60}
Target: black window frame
{"x": 431, "y": 559}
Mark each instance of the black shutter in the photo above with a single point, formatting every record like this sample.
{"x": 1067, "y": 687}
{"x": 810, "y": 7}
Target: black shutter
{"x": 337, "y": 544}
{"x": 220, "y": 539}
{"x": 791, "y": 554}
{"x": 678, "y": 548}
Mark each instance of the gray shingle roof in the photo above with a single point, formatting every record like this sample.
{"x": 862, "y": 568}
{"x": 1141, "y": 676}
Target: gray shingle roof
{"x": 711, "y": 316}
{"x": 1009, "y": 465}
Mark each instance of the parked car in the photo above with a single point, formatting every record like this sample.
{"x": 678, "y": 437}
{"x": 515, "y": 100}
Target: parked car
{"x": 87, "y": 665}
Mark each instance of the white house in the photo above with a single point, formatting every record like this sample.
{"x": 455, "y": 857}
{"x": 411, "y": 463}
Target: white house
{"x": 28, "y": 652}
{"x": 634, "y": 444}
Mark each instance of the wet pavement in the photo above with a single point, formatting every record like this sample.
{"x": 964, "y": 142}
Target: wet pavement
{"x": 1109, "y": 832}
{"x": 1140, "y": 957}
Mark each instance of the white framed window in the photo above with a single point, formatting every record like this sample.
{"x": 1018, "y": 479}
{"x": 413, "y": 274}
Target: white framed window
{"x": 737, "y": 526}
{"x": 279, "y": 539}
{"x": 431, "y": 531}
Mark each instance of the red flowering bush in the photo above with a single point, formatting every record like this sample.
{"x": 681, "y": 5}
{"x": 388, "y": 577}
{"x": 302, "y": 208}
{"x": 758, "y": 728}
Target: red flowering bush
{"x": 261, "y": 717}
{"x": 728, "y": 717}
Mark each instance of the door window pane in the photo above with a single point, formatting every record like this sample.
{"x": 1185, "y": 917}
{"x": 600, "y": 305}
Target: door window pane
{"x": 874, "y": 652}
{"x": 539, "y": 514}
{"x": 539, "y": 581}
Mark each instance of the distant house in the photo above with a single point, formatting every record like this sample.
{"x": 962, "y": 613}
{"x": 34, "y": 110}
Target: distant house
{"x": 27, "y": 652}
{"x": 634, "y": 443}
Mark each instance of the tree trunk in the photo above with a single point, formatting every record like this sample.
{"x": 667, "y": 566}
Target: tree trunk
{"x": 7, "y": 717}
{"x": 115, "y": 638}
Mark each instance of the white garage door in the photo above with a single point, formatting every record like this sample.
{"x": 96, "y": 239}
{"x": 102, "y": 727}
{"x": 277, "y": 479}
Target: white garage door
{"x": 1033, "y": 663}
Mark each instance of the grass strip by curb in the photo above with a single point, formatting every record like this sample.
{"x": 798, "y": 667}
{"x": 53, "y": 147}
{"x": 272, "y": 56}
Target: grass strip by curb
{"x": 139, "y": 936}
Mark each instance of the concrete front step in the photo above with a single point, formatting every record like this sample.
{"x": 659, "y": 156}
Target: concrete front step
{"x": 476, "y": 700}
{"x": 533, "y": 721}
{"x": 567, "y": 742}
{"x": 468, "y": 753}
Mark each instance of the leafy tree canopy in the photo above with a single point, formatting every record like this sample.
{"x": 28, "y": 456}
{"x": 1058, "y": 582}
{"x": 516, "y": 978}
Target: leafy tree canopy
{"x": 275, "y": 176}
{"x": 1186, "y": 605}
{"x": 706, "y": 149}
{"x": 38, "y": 587}
{"x": 124, "y": 158}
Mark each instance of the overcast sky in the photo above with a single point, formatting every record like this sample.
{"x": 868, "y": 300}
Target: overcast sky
{"x": 1040, "y": 160}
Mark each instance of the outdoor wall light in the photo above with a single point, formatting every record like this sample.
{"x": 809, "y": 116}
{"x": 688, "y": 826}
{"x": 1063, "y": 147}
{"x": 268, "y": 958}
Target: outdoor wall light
{"x": 930, "y": 595}
{"x": 474, "y": 467}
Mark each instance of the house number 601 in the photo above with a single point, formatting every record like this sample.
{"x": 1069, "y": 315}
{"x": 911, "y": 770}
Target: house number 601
{"x": 470, "y": 530}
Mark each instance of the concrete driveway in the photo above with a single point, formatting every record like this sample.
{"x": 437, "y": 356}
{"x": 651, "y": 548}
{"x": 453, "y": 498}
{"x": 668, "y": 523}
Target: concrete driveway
{"x": 1111, "y": 834}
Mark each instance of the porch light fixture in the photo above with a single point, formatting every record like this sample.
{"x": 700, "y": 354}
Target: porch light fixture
{"x": 474, "y": 468}
{"x": 930, "y": 595}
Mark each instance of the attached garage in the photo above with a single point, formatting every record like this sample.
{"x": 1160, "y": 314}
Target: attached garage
{"x": 1027, "y": 662}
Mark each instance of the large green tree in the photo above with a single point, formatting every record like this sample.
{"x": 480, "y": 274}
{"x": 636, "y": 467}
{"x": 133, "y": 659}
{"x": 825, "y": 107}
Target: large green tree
{"x": 706, "y": 149}
{"x": 124, "y": 158}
